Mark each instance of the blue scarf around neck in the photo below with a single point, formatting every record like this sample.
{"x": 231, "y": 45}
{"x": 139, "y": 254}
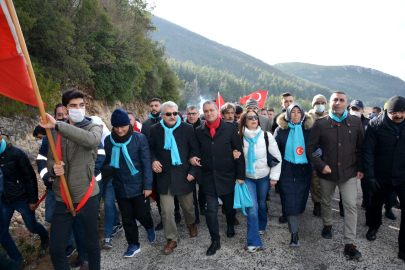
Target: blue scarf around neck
{"x": 3, "y": 146}
{"x": 151, "y": 116}
{"x": 337, "y": 119}
{"x": 115, "y": 155}
{"x": 251, "y": 157}
{"x": 295, "y": 147}
{"x": 170, "y": 142}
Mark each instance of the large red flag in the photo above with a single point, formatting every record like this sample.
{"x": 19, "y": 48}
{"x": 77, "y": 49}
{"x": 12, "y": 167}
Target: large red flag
{"x": 260, "y": 96}
{"x": 15, "y": 82}
{"x": 220, "y": 102}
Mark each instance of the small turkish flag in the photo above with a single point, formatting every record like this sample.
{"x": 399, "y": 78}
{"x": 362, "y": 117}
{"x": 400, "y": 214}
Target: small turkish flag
{"x": 260, "y": 96}
{"x": 220, "y": 102}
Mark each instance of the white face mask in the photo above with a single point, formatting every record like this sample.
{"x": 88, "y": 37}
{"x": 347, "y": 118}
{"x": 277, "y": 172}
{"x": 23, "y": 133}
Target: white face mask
{"x": 358, "y": 114}
{"x": 39, "y": 143}
{"x": 76, "y": 115}
{"x": 320, "y": 108}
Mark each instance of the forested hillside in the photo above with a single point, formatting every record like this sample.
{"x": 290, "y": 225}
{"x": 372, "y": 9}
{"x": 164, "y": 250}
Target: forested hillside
{"x": 373, "y": 87}
{"x": 102, "y": 47}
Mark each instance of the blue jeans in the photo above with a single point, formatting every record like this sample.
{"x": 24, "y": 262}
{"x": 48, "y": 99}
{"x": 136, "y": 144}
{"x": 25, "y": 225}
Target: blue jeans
{"x": 110, "y": 209}
{"x": 257, "y": 215}
{"x": 4, "y": 262}
{"x": 30, "y": 221}
{"x": 49, "y": 206}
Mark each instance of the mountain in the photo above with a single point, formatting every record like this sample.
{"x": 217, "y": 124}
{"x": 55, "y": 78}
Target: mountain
{"x": 371, "y": 86}
{"x": 183, "y": 45}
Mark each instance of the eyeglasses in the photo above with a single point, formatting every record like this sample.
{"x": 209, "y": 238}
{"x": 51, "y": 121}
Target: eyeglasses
{"x": 395, "y": 113}
{"x": 170, "y": 114}
{"x": 192, "y": 114}
{"x": 251, "y": 117}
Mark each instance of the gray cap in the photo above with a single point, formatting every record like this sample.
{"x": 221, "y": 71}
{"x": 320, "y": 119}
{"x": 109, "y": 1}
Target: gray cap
{"x": 252, "y": 103}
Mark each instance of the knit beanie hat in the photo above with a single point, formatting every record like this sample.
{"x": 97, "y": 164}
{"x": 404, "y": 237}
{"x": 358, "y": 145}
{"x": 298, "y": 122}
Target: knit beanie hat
{"x": 396, "y": 104}
{"x": 318, "y": 98}
{"x": 252, "y": 103}
{"x": 120, "y": 118}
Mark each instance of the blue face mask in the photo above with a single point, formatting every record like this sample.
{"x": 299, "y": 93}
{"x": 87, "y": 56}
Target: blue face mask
{"x": 372, "y": 115}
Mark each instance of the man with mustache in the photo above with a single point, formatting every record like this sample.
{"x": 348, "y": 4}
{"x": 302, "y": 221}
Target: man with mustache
{"x": 340, "y": 136}
{"x": 384, "y": 164}
{"x": 228, "y": 113}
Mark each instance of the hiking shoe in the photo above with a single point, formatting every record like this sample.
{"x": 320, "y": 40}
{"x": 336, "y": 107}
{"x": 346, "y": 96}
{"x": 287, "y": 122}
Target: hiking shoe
{"x": 352, "y": 252}
{"x": 327, "y": 232}
{"x": 131, "y": 251}
{"x": 295, "y": 240}
{"x": 253, "y": 249}
{"x": 70, "y": 250}
{"x": 159, "y": 227}
{"x": 177, "y": 217}
{"x": 117, "y": 228}
{"x": 45, "y": 242}
{"x": 151, "y": 235}
{"x": 107, "y": 242}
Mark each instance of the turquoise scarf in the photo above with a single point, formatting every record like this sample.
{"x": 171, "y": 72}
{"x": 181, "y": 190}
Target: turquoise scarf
{"x": 295, "y": 147}
{"x": 337, "y": 119}
{"x": 151, "y": 116}
{"x": 2, "y": 146}
{"x": 251, "y": 157}
{"x": 115, "y": 155}
{"x": 170, "y": 142}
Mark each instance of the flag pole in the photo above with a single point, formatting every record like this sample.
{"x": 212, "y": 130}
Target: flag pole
{"x": 21, "y": 40}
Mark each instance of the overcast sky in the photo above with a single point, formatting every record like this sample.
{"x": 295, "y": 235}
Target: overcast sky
{"x": 363, "y": 33}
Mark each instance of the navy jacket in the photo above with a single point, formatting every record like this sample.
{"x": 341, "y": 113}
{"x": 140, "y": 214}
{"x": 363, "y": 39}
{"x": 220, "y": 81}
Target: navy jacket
{"x": 41, "y": 162}
{"x": 125, "y": 184}
{"x": 295, "y": 179}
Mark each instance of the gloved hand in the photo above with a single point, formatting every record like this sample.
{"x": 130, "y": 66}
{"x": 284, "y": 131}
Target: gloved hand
{"x": 373, "y": 185}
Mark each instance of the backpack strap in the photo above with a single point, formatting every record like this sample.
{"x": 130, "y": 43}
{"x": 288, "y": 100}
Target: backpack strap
{"x": 266, "y": 138}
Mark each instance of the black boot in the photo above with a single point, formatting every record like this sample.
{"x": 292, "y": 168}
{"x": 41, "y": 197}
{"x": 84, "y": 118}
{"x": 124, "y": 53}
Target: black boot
{"x": 327, "y": 232}
{"x": 389, "y": 214}
{"x": 371, "y": 234}
{"x": 317, "y": 209}
{"x": 215, "y": 245}
{"x": 295, "y": 240}
{"x": 352, "y": 252}
{"x": 230, "y": 232}
{"x": 396, "y": 203}
{"x": 283, "y": 219}
{"x": 159, "y": 227}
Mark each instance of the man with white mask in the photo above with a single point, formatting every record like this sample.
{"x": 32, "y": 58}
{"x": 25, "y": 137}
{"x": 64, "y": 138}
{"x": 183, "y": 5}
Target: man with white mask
{"x": 318, "y": 111}
{"x": 76, "y": 143}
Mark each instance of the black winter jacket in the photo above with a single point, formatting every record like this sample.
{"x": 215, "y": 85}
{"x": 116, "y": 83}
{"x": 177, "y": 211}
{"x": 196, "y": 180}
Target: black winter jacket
{"x": 219, "y": 168}
{"x": 384, "y": 151}
{"x": 20, "y": 181}
{"x": 147, "y": 124}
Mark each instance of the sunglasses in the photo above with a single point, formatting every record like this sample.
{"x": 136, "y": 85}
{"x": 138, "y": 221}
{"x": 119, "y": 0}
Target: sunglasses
{"x": 251, "y": 117}
{"x": 170, "y": 114}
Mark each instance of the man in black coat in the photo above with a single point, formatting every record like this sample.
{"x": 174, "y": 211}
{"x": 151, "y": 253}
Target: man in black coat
{"x": 384, "y": 164}
{"x": 172, "y": 143}
{"x": 20, "y": 194}
{"x": 193, "y": 118}
{"x": 217, "y": 140}
{"x": 154, "y": 118}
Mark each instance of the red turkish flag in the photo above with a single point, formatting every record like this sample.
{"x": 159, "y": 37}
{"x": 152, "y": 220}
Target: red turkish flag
{"x": 15, "y": 82}
{"x": 220, "y": 102}
{"x": 260, "y": 96}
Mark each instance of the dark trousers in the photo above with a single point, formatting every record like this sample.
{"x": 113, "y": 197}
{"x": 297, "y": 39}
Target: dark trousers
{"x": 201, "y": 197}
{"x": 367, "y": 195}
{"x": 62, "y": 222}
{"x": 377, "y": 202}
{"x": 157, "y": 197}
{"x": 135, "y": 208}
{"x": 212, "y": 213}
{"x": 197, "y": 212}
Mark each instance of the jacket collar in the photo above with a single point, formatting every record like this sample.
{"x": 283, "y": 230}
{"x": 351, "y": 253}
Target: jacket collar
{"x": 221, "y": 127}
{"x": 251, "y": 133}
{"x": 307, "y": 123}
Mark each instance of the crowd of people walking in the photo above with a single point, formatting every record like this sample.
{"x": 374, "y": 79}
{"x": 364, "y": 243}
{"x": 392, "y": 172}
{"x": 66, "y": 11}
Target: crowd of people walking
{"x": 198, "y": 163}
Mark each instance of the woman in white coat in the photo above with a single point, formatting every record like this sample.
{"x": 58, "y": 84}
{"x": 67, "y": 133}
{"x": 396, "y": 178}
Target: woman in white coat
{"x": 259, "y": 176}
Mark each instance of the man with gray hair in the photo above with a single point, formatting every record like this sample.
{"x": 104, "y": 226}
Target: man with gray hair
{"x": 172, "y": 143}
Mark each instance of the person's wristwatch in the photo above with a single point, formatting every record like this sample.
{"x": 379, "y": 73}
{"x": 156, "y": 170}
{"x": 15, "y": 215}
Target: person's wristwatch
{"x": 57, "y": 125}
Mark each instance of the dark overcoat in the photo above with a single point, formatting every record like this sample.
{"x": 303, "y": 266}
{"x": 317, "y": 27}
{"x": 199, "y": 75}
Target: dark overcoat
{"x": 172, "y": 176}
{"x": 219, "y": 168}
{"x": 295, "y": 179}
